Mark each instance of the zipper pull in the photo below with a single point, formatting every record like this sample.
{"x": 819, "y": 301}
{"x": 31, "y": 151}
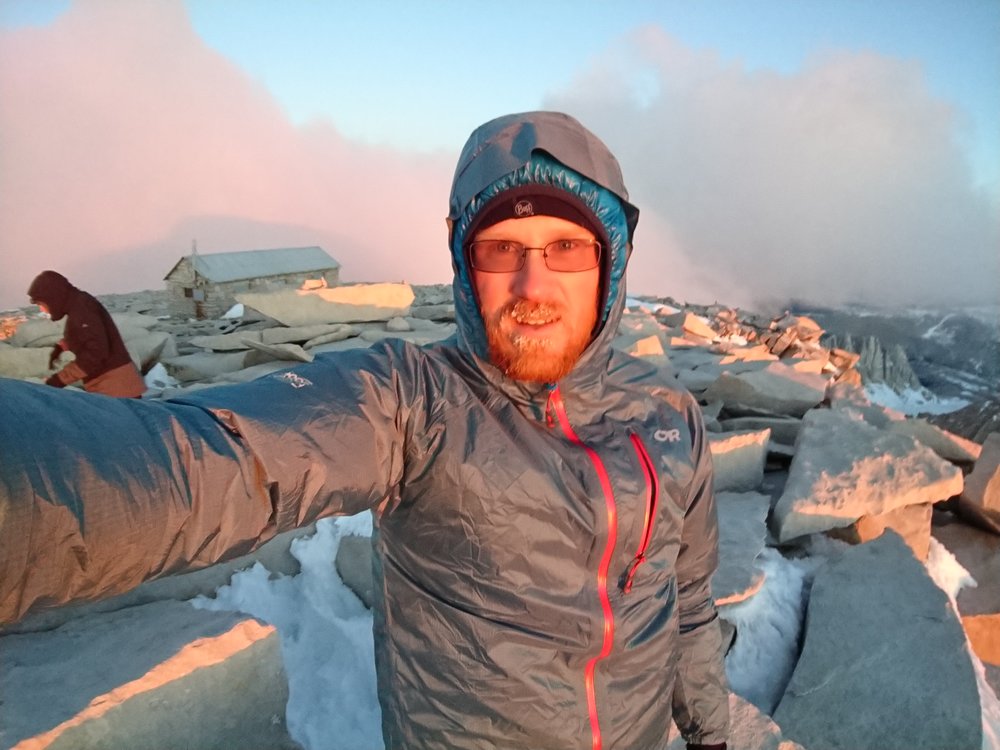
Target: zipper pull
{"x": 550, "y": 420}
{"x": 630, "y": 573}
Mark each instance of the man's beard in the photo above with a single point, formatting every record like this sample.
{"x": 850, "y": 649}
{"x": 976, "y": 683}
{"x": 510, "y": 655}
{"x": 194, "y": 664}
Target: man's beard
{"x": 535, "y": 359}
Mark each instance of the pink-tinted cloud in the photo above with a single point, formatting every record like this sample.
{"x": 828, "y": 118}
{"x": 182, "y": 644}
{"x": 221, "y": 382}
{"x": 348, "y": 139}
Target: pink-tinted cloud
{"x": 125, "y": 137}
{"x": 841, "y": 183}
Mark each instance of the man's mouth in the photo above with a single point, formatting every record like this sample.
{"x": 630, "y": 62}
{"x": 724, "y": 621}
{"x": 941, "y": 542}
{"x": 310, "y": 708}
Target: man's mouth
{"x": 533, "y": 315}
{"x": 535, "y": 319}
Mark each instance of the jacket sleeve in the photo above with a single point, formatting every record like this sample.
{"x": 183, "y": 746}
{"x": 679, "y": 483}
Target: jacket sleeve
{"x": 100, "y": 494}
{"x": 701, "y": 692}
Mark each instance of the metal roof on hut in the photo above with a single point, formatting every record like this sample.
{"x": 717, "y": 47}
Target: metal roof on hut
{"x": 251, "y": 264}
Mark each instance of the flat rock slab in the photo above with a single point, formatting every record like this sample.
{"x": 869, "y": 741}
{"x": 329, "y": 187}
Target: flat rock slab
{"x": 884, "y": 663}
{"x": 738, "y": 459}
{"x": 776, "y": 390}
{"x": 24, "y": 362}
{"x": 912, "y": 522}
{"x": 227, "y": 342}
{"x": 339, "y": 304}
{"x": 742, "y": 531}
{"x": 302, "y": 334}
{"x": 283, "y": 352}
{"x": 949, "y": 446}
{"x": 980, "y": 499}
{"x": 163, "y": 675}
{"x": 784, "y": 430}
{"x": 204, "y": 365}
{"x": 845, "y": 469}
{"x": 38, "y": 332}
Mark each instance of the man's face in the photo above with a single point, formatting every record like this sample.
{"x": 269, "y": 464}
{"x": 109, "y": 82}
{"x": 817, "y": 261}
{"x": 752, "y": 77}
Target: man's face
{"x": 538, "y": 321}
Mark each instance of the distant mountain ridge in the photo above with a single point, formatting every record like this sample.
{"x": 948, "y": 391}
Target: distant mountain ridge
{"x": 952, "y": 352}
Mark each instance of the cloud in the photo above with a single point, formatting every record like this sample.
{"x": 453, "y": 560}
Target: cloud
{"x": 122, "y": 132}
{"x": 841, "y": 183}
{"x": 125, "y": 137}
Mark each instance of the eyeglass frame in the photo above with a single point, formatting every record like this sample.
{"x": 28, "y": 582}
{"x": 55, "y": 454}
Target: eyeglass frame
{"x": 523, "y": 256}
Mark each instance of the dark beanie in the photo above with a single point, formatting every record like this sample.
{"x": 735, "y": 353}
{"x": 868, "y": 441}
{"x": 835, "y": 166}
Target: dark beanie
{"x": 536, "y": 200}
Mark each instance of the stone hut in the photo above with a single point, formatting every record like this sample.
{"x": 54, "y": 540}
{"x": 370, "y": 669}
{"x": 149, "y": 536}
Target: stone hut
{"x": 203, "y": 286}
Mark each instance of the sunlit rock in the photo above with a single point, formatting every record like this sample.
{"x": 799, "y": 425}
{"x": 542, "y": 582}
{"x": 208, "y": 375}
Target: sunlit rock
{"x": 344, "y": 331}
{"x": 434, "y": 312}
{"x": 37, "y": 332}
{"x": 417, "y": 337}
{"x": 738, "y": 459}
{"x": 24, "y": 362}
{"x": 299, "y": 334}
{"x": 162, "y": 675}
{"x": 227, "y": 342}
{"x": 845, "y": 469}
{"x": 784, "y": 430}
{"x": 282, "y": 352}
{"x": 150, "y": 348}
{"x": 915, "y": 689}
{"x": 397, "y": 325}
{"x": 340, "y": 304}
{"x": 690, "y": 323}
{"x": 911, "y": 522}
{"x": 980, "y": 500}
{"x": 777, "y": 389}
{"x": 204, "y": 365}
{"x": 742, "y": 532}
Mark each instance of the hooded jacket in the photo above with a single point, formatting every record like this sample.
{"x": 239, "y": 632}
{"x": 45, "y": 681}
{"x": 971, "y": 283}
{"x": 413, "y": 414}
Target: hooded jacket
{"x": 544, "y": 551}
{"x": 101, "y": 361}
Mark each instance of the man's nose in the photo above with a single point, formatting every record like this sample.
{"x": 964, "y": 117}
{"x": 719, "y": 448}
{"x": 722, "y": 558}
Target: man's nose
{"x": 534, "y": 278}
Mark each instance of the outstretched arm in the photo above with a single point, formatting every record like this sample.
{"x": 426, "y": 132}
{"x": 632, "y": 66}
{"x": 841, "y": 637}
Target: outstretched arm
{"x": 100, "y": 494}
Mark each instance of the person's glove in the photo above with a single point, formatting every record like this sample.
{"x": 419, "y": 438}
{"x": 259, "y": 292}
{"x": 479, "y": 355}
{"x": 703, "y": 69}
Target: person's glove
{"x": 55, "y": 381}
{"x": 54, "y": 355}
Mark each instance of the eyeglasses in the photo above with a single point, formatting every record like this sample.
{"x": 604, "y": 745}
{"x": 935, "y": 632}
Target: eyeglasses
{"x": 505, "y": 256}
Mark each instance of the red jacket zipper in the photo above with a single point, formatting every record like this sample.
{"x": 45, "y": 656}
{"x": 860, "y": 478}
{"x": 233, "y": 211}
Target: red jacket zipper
{"x": 555, "y": 410}
{"x": 652, "y": 493}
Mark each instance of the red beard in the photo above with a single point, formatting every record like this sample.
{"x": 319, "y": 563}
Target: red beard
{"x": 542, "y": 359}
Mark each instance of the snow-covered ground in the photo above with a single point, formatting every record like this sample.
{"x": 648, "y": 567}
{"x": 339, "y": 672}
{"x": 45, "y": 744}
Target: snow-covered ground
{"x": 912, "y": 401}
{"x": 328, "y": 649}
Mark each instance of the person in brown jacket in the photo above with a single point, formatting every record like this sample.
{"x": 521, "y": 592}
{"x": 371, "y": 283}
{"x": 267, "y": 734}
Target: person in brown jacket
{"x": 102, "y": 361}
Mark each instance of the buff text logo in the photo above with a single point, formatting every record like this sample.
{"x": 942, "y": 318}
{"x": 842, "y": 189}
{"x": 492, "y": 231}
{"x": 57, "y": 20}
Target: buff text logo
{"x": 667, "y": 436}
{"x": 296, "y": 381}
{"x": 523, "y": 208}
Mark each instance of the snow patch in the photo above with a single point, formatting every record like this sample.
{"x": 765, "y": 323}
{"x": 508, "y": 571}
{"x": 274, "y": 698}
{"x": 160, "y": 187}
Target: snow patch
{"x": 911, "y": 401}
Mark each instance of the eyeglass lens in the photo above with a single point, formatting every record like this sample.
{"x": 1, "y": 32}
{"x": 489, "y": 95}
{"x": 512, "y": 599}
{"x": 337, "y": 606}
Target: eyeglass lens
{"x": 501, "y": 256}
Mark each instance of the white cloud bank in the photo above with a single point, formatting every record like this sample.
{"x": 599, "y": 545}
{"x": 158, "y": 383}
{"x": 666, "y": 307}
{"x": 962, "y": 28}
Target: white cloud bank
{"x": 841, "y": 183}
{"x": 125, "y": 137}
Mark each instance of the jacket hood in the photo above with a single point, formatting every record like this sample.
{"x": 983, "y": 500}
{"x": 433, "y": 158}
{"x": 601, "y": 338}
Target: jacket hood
{"x": 554, "y": 150}
{"x": 54, "y": 290}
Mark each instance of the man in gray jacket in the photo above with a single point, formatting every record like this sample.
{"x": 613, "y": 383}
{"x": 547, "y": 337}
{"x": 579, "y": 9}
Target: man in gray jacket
{"x": 545, "y": 523}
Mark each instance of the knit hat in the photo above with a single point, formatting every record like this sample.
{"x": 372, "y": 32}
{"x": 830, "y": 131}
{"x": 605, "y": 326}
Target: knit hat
{"x": 536, "y": 200}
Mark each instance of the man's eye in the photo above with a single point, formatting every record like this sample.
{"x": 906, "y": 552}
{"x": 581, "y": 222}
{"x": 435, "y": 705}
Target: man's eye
{"x": 506, "y": 247}
{"x": 567, "y": 246}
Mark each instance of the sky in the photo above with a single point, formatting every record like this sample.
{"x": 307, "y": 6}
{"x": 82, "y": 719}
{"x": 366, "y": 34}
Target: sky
{"x": 828, "y": 151}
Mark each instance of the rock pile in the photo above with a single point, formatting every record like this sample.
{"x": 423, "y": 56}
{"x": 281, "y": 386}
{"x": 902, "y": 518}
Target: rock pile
{"x": 811, "y": 477}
